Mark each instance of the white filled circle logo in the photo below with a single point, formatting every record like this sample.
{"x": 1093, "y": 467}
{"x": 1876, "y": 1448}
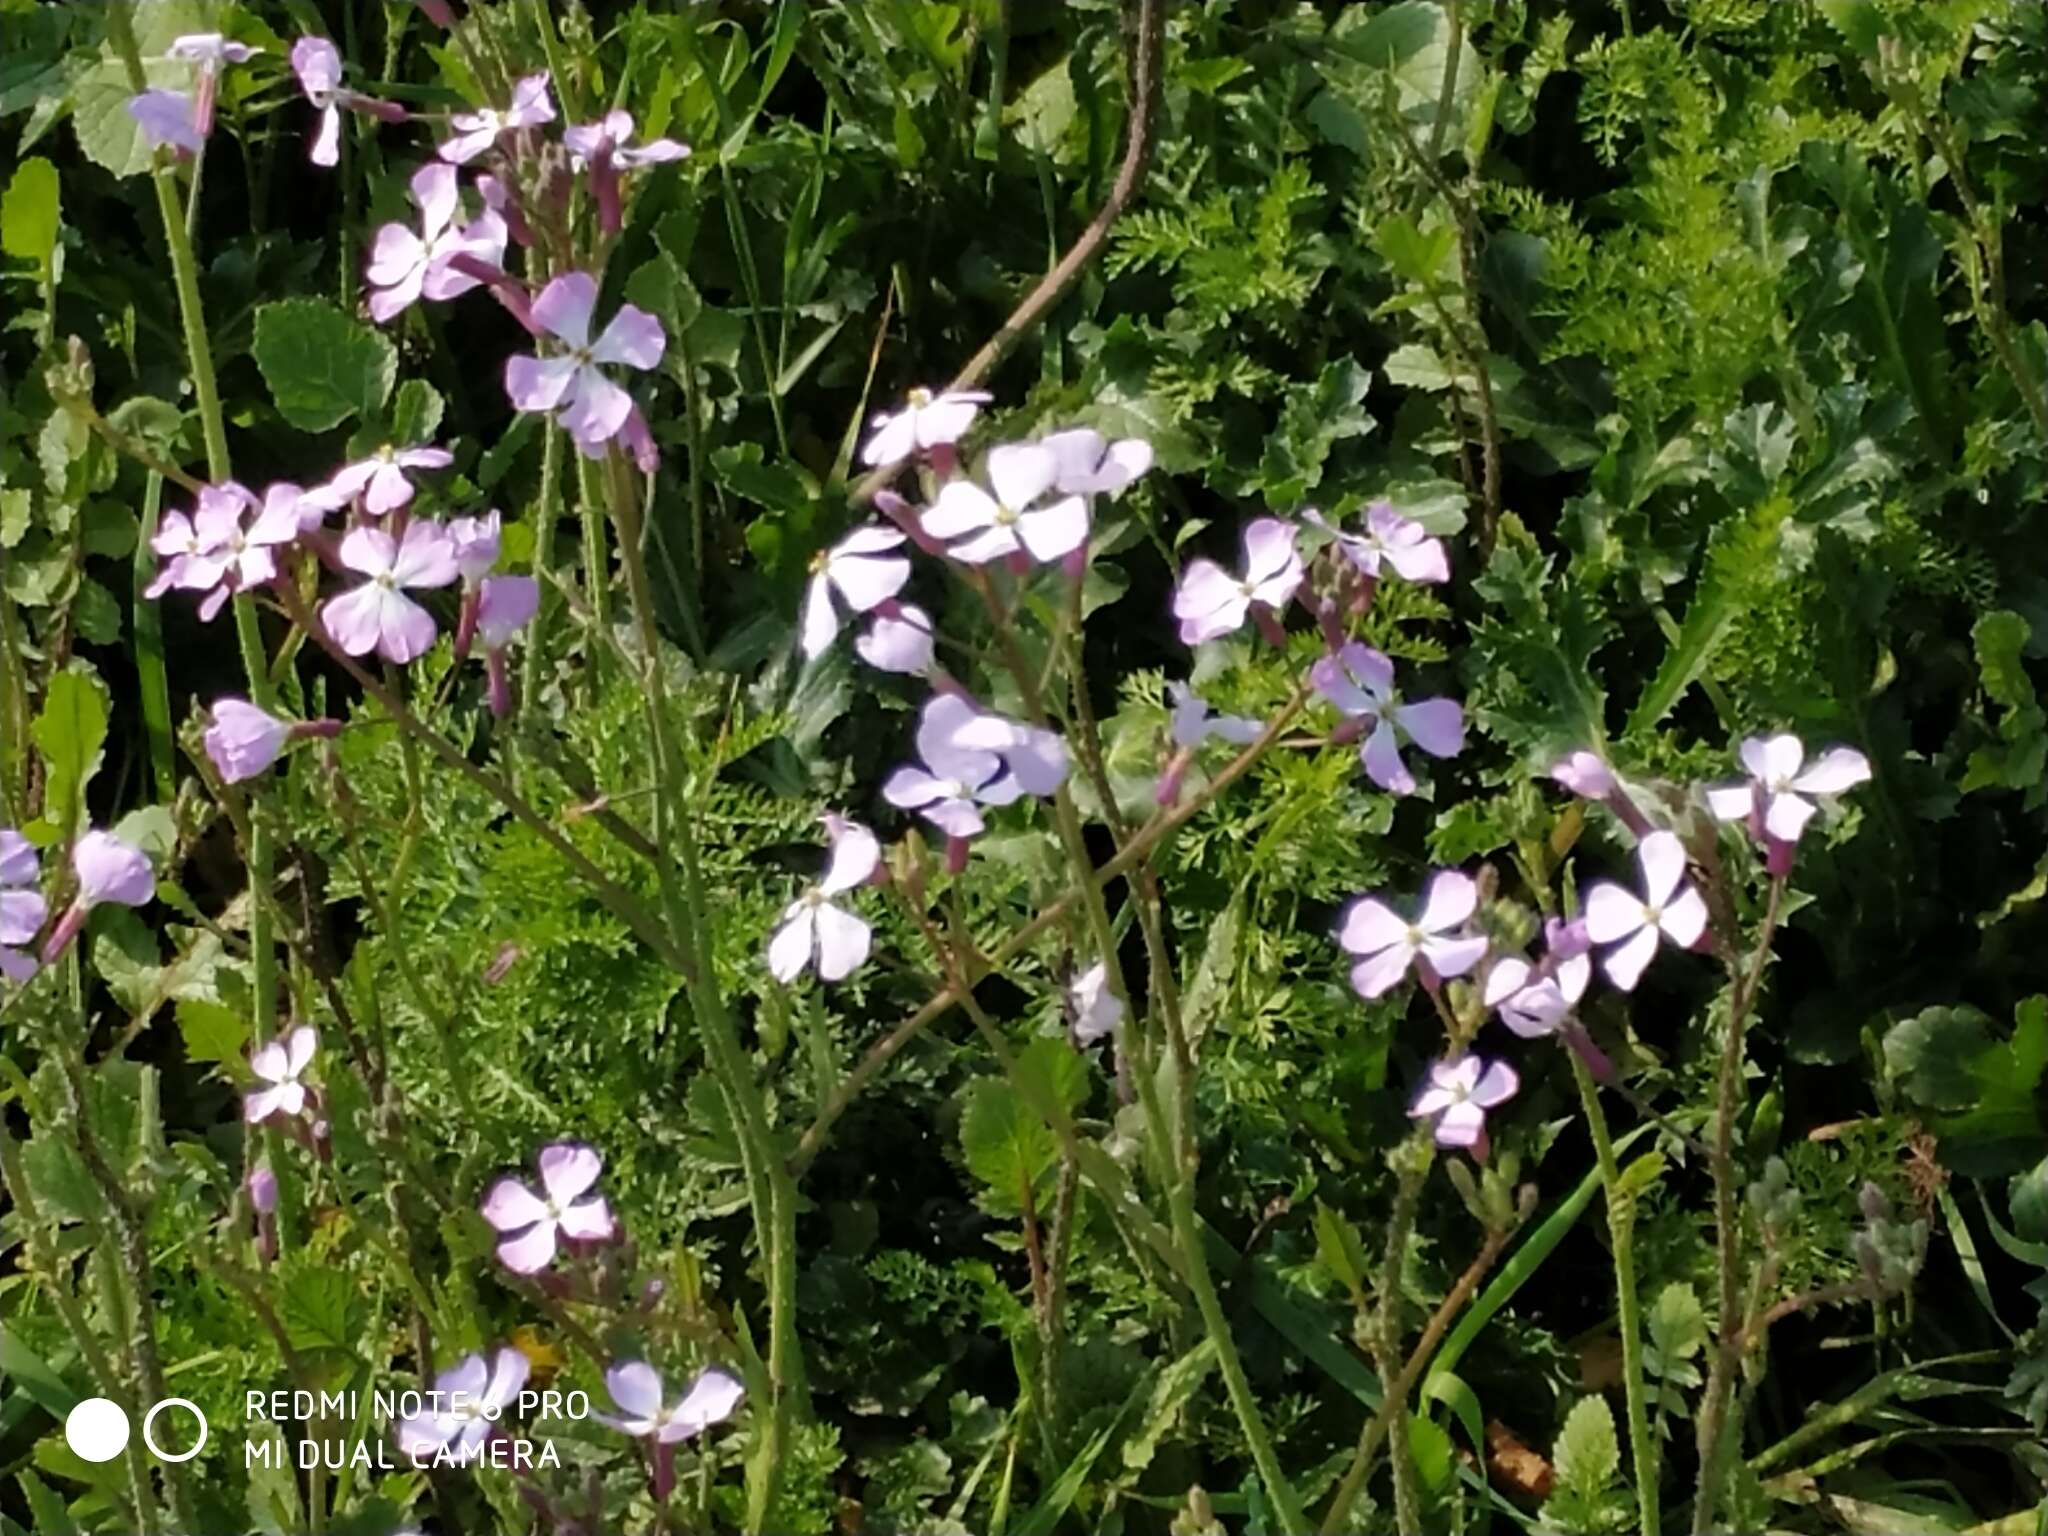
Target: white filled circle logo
{"x": 96, "y": 1430}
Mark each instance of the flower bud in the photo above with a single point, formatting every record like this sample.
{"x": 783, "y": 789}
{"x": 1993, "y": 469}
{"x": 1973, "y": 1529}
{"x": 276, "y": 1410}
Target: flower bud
{"x": 262, "y": 1184}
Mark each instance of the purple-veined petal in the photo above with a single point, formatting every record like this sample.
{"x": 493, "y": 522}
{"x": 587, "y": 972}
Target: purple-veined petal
{"x": 911, "y": 788}
{"x": 711, "y": 1400}
{"x": 538, "y": 383}
{"x": 1772, "y": 760}
{"x": 1208, "y": 603}
{"x": 396, "y": 255}
{"x": 989, "y": 544}
{"x": 1269, "y": 550}
{"x": 898, "y": 642}
{"x": 437, "y": 191}
{"x": 405, "y": 630}
{"x": 954, "y": 817}
{"x": 865, "y": 580}
{"x": 426, "y": 557}
{"x": 855, "y": 857}
{"x": 111, "y": 871}
{"x": 1461, "y": 1125}
{"x": 1496, "y": 1085}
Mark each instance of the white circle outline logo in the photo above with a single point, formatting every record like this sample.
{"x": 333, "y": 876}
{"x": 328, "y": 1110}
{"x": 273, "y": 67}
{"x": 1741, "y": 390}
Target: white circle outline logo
{"x": 149, "y": 1419}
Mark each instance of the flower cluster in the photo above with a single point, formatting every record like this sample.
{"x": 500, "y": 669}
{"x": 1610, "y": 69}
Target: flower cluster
{"x": 104, "y": 870}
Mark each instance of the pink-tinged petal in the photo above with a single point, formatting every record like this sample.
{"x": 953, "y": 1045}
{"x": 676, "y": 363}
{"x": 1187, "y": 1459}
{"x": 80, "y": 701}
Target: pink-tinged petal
{"x": 653, "y": 152}
{"x": 1037, "y": 760}
{"x": 19, "y": 862}
{"x": 465, "y": 147}
{"x": 989, "y": 544}
{"x": 299, "y": 1047}
{"x": 504, "y": 606}
{"x": 842, "y": 942}
{"x": 1534, "y": 1012}
{"x": 437, "y": 192}
{"x": 423, "y": 458}
{"x": 1732, "y": 802}
{"x": 1585, "y": 774}
{"x": 865, "y": 580}
{"x": 634, "y": 339}
{"x": 530, "y": 1252}
{"x": 509, "y": 1206}
{"x": 868, "y": 539}
{"x": 1461, "y": 1125}
{"x": 317, "y": 63}
{"x": 354, "y": 620}
{"x": 820, "y": 618}
{"x": 1662, "y": 857}
{"x": 855, "y": 857}
{"x": 111, "y": 871}
{"x": 1381, "y": 755}
{"x": 1432, "y": 1100}
{"x": 1612, "y": 912}
{"x": 1207, "y": 602}
{"x": 588, "y": 1221}
{"x": 1435, "y": 725}
{"x": 1626, "y": 963}
{"x": 405, "y": 630}
{"x": 370, "y": 551}
{"x": 583, "y": 141}
{"x": 509, "y": 1370}
{"x": 711, "y": 1400}
{"x": 956, "y": 818}
{"x": 385, "y": 303}
{"x": 1376, "y": 975}
{"x": 1268, "y": 549}
{"x": 1572, "y": 976}
{"x": 789, "y": 950}
{"x": 1774, "y": 759}
{"x": 636, "y": 1388}
{"x": 568, "y": 1169}
{"x": 1453, "y": 957}
{"x": 270, "y": 1063}
{"x": 538, "y": 383}
{"x": 212, "y": 603}
{"x": 531, "y": 103}
{"x": 564, "y": 306}
{"x": 1055, "y": 531}
{"x": 326, "y": 150}
{"x": 901, "y": 642}
{"x": 22, "y": 914}
{"x": 396, "y": 255}
{"x": 1496, "y": 1085}
{"x": 426, "y": 557}
{"x": 962, "y": 507}
{"x": 1685, "y": 918}
{"x": 1019, "y": 473}
{"x": 261, "y": 1103}
{"x": 1835, "y": 770}
{"x": 1453, "y": 897}
{"x": 1078, "y": 454}
{"x": 893, "y": 438}
{"x": 1786, "y": 815}
{"x": 1420, "y": 562}
{"x": 1504, "y": 979}
{"x": 388, "y": 490}
{"x": 595, "y": 409}
{"x": 1330, "y": 678}
{"x": 912, "y": 788}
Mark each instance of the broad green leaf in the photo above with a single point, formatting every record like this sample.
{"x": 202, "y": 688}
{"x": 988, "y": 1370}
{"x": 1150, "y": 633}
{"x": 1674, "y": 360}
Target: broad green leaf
{"x": 2029, "y": 1202}
{"x": 1007, "y": 1147}
{"x": 319, "y": 1309}
{"x": 70, "y": 731}
{"x": 29, "y": 212}
{"x": 1341, "y": 1250}
{"x": 1421, "y": 257}
{"x": 212, "y": 1032}
{"x": 1587, "y": 1454}
{"x": 1678, "y": 1324}
{"x": 1933, "y": 1053}
{"x": 322, "y": 365}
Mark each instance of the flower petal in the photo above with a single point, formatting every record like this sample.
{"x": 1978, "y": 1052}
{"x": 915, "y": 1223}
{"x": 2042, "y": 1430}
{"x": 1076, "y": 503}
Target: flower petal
{"x": 1381, "y": 755}
{"x": 509, "y": 1206}
{"x": 1786, "y": 816}
{"x": 634, "y": 339}
{"x": 564, "y": 306}
{"x": 568, "y": 1169}
{"x": 1435, "y": 725}
{"x": 1625, "y": 963}
{"x": 1685, "y": 917}
{"x": 842, "y": 942}
{"x": 537, "y": 383}
{"x": 1054, "y": 531}
{"x": 789, "y": 950}
{"x": 1453, "y": 897}
{"x": 1835, "y": 770}
{"x": 1732, "y": 802}
{"x": 1376, "y": 975}
{"x": 711, "y": 1400}
{"x": 1019, "y": 473}
{"x": 1612, "y": 912}
{"x": 635, "y": 1387}
{"x": 1662, "y": 857}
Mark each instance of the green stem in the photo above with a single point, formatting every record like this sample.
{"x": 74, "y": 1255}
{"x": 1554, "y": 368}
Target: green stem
{"x": 546, "y": 515}
{"x": 152, "y": 673}
{"x": 1387, "y": 1330}
{"x": 1621, "y": 1224}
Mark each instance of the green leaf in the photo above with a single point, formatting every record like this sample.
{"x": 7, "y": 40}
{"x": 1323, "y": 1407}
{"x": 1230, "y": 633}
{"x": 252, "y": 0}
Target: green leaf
{"x": 2021, "y": 759}
{"x": 1587, "y": 1453}
{"x": 2028, "y": 1199}
{"x": 51, "y": 1516}
{"x": 70, "y": 731}
{"x": 1007, "y": 1147}
{"x": 1421, "y": 257}
{"x": 322, "y": 365}
{"x": 29, "y": 212}
{"x": 1678, "y": 1324}
{"x": 416, "y": 412}
{"x": 1341, "y": 1250}
{"x": 212, "y": 1032}
{"x": 319, "y": 1309}
{"x": 1933, "y": 1053}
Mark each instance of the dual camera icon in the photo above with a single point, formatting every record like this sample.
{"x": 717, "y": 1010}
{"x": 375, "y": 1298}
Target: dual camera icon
{"x": 98, "y": 1429}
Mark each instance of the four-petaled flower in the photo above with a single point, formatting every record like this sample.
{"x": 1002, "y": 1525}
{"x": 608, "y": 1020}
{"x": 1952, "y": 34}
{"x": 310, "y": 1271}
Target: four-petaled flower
{"x": 213, "y": 552}
{"x": 404, "y": 266}
{"x": 477, "y": 131}
{"x": 21, "y": 906}
{"x": 1090, "y": 465}
{"x": 467, "y": 1401}
{"x": 862, "y": 571}
{"x": 816, "y": 932}
{"x": 1193, "y": 723}
{"x": 317, "y": 63}
{"x": 1534, "y": 1000}
{"x": 926, "y": 421}
{"x": 601, "y": 149}
{"x": 1015, "y": 517}
{"x": 1668, "y": 907}
{"x": 591, "y": 407}
{"x": 279, "y": 1066}
{"x": 1210, "y": 602}
{"x": 1774, "y": 801}
{"x": 636, "y": 1387}
{"x": 209, "y": 53}
{"x": 1457, "y": 1096}
{"x": 529, "y": 1224}
{"x": 1360, "y": 682}
{"x": 957, "y": 779}
{"x": 378, "y": 616}
{"x": 381, "y": 479}
{"x": 1387, "y": 943}
{"x": 1391, "y": 540}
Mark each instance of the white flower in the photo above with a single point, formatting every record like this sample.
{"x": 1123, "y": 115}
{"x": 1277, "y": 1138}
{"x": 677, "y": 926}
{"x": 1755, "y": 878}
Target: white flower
{"x": 813, "y": 930}
{"x": 280, "y": 1065}
{"x": 1632, "y": 923}
{"x": 1013, "y": 518}
{"x": 1094, "y": 1009}
{"x": 926, "y": 421}
{"x": 1388, "y": 943}
{"x": 1458, "y": 1095}
{"x": 860, "y": 569}
{"x": 1773, "y": 798}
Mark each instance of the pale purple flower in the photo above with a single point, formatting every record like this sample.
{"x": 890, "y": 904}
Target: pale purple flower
{"x": 405, "y": 266}
{"x": 956, "y": 780}
{"x": 1389, "y": 540}
{"x": 1668, "y": 907}
{"x": 1090, "y": 465}
{"x": 378, "y": 616}
{"x": 926, "y": 421}
{"x": 590, "y": 407}
{"x": 229, "y": 555}
{"x": 529, "y": 1224}
{"x": 243, "y": 740}
{"x": 1774, "y": 801}
{"x": 1387, "y": 944}
{"x": 477, "y": 541}
{"x": 209, "y": 53}
{"x": 21, "y": 906}
{"x": 864, "y": 573}
{"x": 110, "y": 872}
{"x": 601, "y": 148}
{"x": 1016, "y": 517}
{"x": 168, "y": 118}
{"x": 1210, "y": 602}
{"x": 1193, "y": 722}
{"x": 898, "y": 638}
{"x": 479, "y": 130}
{"x": 280, "y": 1067}
{"x": 317, "y": 63}
{"x": 1457, "y": 1096}
{"x": 1093, "y": 1008}
{"x": 505, "y": 605}
{"x": 1534, "y": 1000}
{"x": 643, "y": 1414}
{"x": 1586, "y": 775}
{"x": 816, "y": 932}
{"x": 381, "y": 479}
{"x": 463, "y": 1409}
{"x": 1035, "y": 757}
{"x": 1359, "y": 681}
{"x": 262, "y": 1185}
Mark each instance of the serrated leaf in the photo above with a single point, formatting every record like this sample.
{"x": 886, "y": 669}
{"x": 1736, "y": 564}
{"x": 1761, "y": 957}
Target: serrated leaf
{"x": 1933, "y": 1052}
{"x": 1341, "y": 1250}
{"x": 212, "y": 1032}
{"x": 319, "y": 1310}
{"x": 322, "y": 366}
{"x": 1006, "y": 1146}
{"x": 1678, "y": 1323}
{"x": 1587, "y": 1454}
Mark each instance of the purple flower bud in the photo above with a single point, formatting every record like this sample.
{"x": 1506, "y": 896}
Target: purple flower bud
{"x": 1586, "y": 775}
{"x": 262, "y": 1189}
{"x": 437, "y": 12}
{"x": 243, "y": 740}
{"x": 476, "y": 541}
